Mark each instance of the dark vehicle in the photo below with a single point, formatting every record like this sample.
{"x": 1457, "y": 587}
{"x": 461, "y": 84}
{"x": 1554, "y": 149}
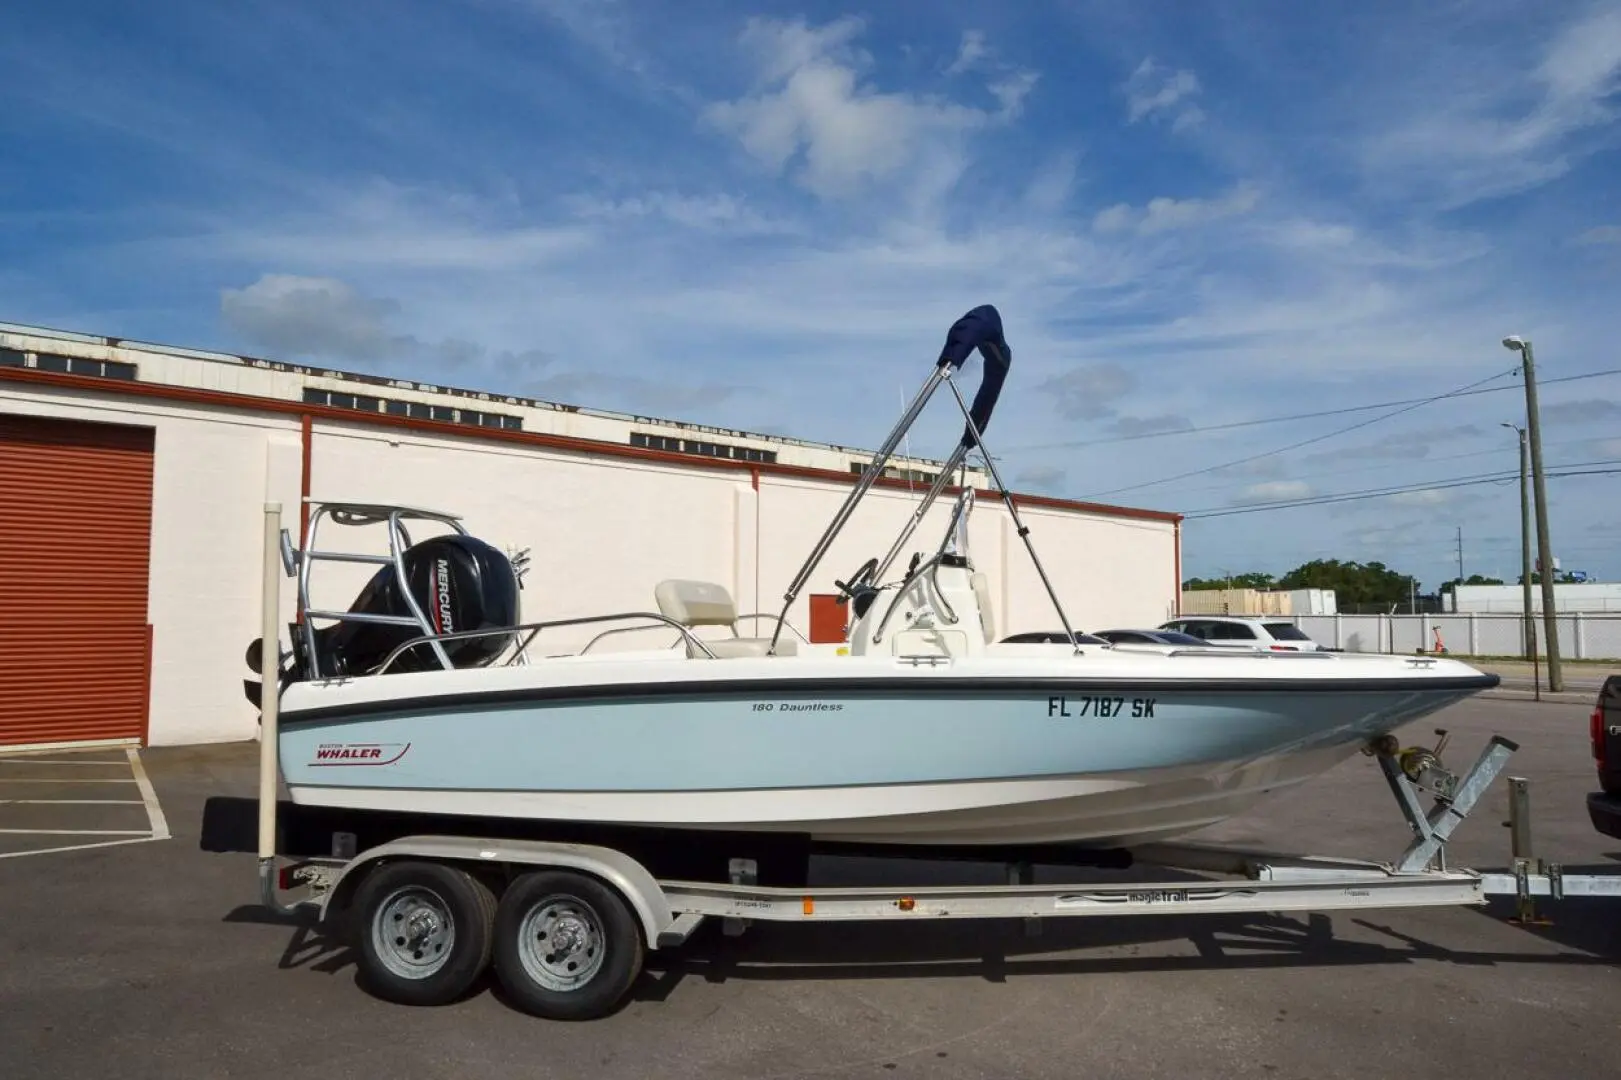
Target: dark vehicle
{"x": 1152, "y": 637}
{"x": 1050, "y": 637}
{"x": 1604, "y": 805}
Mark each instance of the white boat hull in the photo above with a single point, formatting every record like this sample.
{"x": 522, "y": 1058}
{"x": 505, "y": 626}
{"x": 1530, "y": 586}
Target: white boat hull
{"x": 1117, "y": 750}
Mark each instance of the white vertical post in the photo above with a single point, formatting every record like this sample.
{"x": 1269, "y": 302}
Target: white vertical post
{"x": 1581, "y": 637}
{"x": 270, "y": 680}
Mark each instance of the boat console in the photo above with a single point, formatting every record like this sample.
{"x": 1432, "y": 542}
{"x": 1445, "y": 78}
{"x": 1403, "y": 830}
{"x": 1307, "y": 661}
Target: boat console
{"x": 941, "y": 607}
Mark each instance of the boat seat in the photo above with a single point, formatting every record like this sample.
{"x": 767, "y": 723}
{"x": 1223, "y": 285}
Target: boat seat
{"x": 704, "y": 603}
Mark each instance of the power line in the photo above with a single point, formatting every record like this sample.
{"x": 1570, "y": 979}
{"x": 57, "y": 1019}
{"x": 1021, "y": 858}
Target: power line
{"x": 1579, "y": 469}
{"x": 1233, "y": 425}
{"x": 1305, "y": 442}
{"x": 1495, "y": 452}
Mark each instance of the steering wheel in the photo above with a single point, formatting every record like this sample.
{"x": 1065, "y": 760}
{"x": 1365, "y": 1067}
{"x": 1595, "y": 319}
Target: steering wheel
{"x": 861, "y": 577}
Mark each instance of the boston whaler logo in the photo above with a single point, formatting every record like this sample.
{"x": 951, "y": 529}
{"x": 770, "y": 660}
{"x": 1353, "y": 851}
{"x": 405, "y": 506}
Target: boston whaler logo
{"x": 359, "y": 753}
{"x": 441, "y": 597}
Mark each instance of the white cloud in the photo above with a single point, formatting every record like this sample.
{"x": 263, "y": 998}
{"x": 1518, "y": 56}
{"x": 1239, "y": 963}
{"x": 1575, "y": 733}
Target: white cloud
{"x": 1600, "y": 234}
{"x": 387, "y": 225}
{"x": 1041, "y": 477}
{"x": 324, "y": 319}
{"x": 1049, "y": 189}
{"x": 1272, "y": 491}
{"x": 810, "y": 99}
{"x": 1505, "y": 124}
{"x": 724, "y": 213}
{"x": 1089, "y": 393}
{"x": 306, "y": 316}
{"x": 1424, "y": 497}
{"x": 1164, "y": 213}
{"x": 1587, "y": 411}
{"x": 969, "y": 53}
{"x": 1152, "y": 91}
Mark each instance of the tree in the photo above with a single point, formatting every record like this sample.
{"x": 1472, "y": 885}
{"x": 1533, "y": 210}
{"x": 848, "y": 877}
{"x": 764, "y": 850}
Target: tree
{"x": 1472, "y": 579}
{"x": 1353, "y": 582}
{"x": 1560, "y": 577}
{"x": 1252, "y": 580}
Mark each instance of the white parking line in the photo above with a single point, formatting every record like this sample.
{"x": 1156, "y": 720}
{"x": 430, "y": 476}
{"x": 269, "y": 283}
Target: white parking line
{"x": 22, "y": 759}
{"x": 158, "y": 824}
{"x": 72, "y": 802}
{"x": 79, "y": 832}
{"x": 97, "y": 780}
{"x": 154, "y": 810}
{"x": 79, "y": 847}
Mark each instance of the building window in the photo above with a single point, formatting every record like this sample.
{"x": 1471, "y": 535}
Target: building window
{"x": 700, "y": 448}
{"x": 916, "y": 476}
{"x": 337, "y": 399}
{"x": 415, "y": 410}
{"x": 79, "y": 365}
{"x": 418, "y": 410}
{"x": 11, "y": 358}
{"x": 494, "y": 420}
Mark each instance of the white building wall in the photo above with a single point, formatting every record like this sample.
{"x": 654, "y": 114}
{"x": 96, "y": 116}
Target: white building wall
{"x": 1597, "y": 596}
{"x": 1109, "y": 572}
{"x": 602, "y": 532}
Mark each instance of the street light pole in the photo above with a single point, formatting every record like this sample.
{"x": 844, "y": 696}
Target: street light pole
{"x": 1550, "y": 617}
{"x": 1528, "y": 618}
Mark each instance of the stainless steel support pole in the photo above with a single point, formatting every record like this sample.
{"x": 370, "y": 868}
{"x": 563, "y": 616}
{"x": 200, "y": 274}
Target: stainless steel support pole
{"x": 940, "y": 483}
{"x": 270, "y": 685}
{"x": 1019, "y": 525}
{"x": 868, "y": 477}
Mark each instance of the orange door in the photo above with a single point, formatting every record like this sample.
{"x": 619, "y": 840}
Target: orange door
{"x": 75, "y": 541}
{"x": 826, "y": 618}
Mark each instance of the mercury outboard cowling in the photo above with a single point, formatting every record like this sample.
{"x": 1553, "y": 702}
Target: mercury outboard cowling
{"x": 460, "y": 582}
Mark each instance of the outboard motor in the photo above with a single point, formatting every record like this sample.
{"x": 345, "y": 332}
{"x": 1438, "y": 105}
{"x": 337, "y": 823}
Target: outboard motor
{"x": 460, "y": 583}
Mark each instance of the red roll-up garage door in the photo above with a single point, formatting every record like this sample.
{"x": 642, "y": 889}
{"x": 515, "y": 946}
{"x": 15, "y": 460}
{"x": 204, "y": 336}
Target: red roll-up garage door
{"x": 75, "y": 541}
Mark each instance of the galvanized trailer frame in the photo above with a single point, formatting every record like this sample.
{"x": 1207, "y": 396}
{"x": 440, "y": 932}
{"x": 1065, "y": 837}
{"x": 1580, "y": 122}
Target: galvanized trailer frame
{"x": 475, "y": 901}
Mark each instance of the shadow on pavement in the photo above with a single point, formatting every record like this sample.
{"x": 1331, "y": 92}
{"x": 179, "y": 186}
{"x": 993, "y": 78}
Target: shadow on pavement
{"x": 999, "y": 950}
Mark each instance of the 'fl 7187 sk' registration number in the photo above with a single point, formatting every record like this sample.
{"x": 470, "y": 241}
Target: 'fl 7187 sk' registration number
{"x": 1100, "y": 706}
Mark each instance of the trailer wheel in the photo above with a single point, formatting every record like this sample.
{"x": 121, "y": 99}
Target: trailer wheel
{"x": 567, "y": 946}
{"x": 425, "y": 931}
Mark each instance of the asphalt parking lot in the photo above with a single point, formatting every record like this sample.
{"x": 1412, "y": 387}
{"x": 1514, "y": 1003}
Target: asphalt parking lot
{"x": 149, "y": 959}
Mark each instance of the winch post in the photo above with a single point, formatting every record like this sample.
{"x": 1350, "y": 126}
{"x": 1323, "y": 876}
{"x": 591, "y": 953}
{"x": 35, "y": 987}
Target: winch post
{"x": 1525, "y": 861}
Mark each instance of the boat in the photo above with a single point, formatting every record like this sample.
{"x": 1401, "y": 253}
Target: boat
{"x": 430, "y": 695}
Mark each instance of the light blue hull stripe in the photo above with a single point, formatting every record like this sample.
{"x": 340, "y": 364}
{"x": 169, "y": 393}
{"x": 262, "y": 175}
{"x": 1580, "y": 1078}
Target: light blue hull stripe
{"x": 736, "y": 742}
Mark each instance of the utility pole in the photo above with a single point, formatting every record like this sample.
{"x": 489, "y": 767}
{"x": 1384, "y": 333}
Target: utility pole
{"x": 1528, "y": 617}
{"x": 1550, "y": 617}
{"x": 1460, "y": 554}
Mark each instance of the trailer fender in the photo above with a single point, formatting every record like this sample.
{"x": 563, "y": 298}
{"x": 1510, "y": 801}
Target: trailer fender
{"x": 615, "y": 868}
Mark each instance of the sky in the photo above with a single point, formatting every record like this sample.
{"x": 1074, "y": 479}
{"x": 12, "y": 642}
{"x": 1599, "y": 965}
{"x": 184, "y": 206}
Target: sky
{"x": 1191, "y": 215}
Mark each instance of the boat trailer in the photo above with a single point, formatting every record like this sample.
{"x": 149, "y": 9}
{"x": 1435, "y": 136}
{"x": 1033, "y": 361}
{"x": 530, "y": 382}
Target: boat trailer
{"x": 566, "y": 926}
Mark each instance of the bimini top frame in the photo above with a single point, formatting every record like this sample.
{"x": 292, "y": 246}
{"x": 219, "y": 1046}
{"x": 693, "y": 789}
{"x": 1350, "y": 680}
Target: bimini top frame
{"x": 979, "y": 330}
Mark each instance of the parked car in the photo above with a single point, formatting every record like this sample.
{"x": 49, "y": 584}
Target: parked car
{"x": 1604, "y": 805}
{"x": 1050, "y": 637}
{"x": 1258, "y": 632}
{"x": 1152, "y": 637}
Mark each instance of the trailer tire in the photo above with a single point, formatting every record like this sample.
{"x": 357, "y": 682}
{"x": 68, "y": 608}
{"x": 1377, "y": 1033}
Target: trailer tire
{"x": 567, "y": 945}
{"x": 453, "y": 915}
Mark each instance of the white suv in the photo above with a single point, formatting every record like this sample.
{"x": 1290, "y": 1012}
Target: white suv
{"x": 1279, "y": 635}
